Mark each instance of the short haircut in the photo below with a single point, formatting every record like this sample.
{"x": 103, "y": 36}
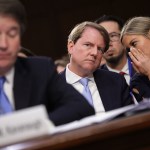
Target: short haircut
{"x": 78, "y": 30}
{"x": 14, "y": 9}
{"x": 137, "y": 26}
{"x": 116, "y": 19}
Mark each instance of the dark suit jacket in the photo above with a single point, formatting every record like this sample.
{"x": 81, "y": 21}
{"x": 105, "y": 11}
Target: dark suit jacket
{"x": 112, "y": 87}
{"x": 37, "y": 82}
{"x": 142, "y": 85}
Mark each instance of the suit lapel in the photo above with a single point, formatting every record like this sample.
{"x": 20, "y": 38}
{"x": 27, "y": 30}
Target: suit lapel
{"x": 103, "y": 89}
{"x": 22, "y": 86}
{"x": 63, "y": 74}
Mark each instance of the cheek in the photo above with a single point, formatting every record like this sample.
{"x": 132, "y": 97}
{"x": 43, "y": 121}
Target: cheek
{"x": 15, "y": 44}
{"x": 146, "y": 47}
{"x": 146, "y": 50}
{"x": 99, "y": 58}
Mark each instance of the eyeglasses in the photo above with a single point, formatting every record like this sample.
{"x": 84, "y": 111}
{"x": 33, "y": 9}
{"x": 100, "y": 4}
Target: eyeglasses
{"x": 114, "y": 37}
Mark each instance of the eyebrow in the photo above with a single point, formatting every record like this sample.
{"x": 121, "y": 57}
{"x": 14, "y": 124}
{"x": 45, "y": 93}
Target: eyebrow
{"x": 14, "y": 28}
{"x": 114, "y": 33}
{"x": 131, "y": 41}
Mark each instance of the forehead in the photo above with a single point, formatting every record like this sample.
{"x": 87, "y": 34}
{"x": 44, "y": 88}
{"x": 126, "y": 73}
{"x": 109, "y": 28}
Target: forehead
{"x": 110, "y": 26}
{"x": 7, "y": 22}
{"x": 92, "y": 34}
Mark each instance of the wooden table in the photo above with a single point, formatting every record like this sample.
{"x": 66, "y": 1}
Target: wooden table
{"x": 120, "y": 134}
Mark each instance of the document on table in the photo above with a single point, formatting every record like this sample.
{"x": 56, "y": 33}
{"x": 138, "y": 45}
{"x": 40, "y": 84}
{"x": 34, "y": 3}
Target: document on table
{"x": 98, "y": 118}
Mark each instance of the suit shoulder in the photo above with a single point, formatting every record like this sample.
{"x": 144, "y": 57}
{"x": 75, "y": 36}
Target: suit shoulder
{"x": 36, "y": 63}
{"x": 106, "y": 73}
{"x": 35, "y": 60}
{"x": 103, "y": 67}
{"x": 108, "y": 77}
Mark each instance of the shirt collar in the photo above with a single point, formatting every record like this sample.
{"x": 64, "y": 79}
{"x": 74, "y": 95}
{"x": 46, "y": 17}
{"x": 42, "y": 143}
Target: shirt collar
{"x": 72, "y": 78}
{"x": 124, "y": 69}
{"x": 10, "y": 75}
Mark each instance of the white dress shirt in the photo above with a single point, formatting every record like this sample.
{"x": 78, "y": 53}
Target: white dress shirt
{"x": 125, "y": 69}
{"x": 73, "y": 79}
{"x": 8, "y": 86}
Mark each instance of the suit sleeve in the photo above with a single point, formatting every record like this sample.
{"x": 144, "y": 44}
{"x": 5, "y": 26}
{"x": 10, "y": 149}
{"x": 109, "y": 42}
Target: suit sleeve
{"x": 140, "y": 86}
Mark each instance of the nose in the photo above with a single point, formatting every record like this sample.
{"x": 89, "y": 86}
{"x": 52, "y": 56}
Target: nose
{"x": 3, "y": 42}
{"x": 94, "y": 51}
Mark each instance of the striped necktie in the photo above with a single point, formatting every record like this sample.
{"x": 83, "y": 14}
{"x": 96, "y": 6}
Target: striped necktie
{"x": 5, "y": 106}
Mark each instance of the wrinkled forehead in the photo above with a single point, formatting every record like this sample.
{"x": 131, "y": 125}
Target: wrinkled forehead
{"x": 93, "y": 34}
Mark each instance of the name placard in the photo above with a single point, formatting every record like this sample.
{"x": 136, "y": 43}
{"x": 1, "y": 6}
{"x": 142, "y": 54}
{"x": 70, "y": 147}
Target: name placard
{"x": 24, "y": 124}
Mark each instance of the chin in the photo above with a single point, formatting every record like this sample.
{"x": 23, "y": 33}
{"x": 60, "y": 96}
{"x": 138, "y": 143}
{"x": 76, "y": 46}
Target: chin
{"x": 5, "y": 65}
{"x": 90, "y": 70}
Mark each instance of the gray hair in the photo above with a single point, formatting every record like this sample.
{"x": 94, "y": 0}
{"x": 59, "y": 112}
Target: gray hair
{"x": 136, "y": 26}
{"x": 78, "y": 30}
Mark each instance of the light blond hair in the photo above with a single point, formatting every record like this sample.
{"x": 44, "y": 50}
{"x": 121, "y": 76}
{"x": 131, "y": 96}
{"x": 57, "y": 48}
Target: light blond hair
{"x": 137, "y": 26}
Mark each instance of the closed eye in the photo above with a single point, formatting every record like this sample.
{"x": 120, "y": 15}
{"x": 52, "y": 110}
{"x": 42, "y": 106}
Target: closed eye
{"x": 13, "y": 32}
{"x": 133, "y": 43}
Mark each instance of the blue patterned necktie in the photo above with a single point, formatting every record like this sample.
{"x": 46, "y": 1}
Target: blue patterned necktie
{"x": 86, "y": 91}
{"x": 5, "y": 106}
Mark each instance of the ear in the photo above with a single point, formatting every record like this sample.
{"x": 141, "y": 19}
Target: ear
{"x": 70, "y": 47}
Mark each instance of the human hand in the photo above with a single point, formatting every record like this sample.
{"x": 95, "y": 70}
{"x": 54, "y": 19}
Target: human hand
{"x": 140, "y": 61}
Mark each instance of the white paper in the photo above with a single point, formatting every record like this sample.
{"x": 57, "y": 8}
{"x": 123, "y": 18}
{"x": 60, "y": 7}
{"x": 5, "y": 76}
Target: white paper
{"x": 24, "y": 124}
{"x": 98, "y": 118}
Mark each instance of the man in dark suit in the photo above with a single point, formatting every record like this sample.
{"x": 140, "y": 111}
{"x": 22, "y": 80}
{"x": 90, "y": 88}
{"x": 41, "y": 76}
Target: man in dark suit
{"x": 116, "y": 56}
{"x": 33, "y": 81}
{"x": 86, "y": 44}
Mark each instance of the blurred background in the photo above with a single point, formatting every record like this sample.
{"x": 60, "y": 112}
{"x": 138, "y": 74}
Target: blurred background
{"x": 49, "y": 22}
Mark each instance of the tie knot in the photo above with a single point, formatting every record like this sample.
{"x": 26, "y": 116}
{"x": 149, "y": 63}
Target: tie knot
{"x": 84, "y": 81}
{"x": 122, "y": 73}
